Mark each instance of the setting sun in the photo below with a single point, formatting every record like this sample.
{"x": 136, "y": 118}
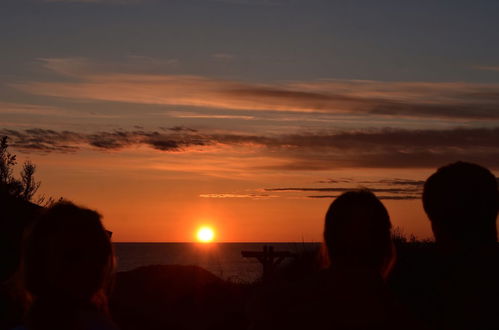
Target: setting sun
{"x": 205, "y": 234}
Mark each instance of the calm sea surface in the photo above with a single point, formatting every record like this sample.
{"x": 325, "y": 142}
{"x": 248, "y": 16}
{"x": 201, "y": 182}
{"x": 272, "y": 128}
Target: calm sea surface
{"x": 222, "y": 259}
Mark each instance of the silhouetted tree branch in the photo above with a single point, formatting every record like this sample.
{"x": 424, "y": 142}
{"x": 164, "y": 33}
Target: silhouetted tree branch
{"x": 29, "y": 184}
{"x": 25, "y": 188}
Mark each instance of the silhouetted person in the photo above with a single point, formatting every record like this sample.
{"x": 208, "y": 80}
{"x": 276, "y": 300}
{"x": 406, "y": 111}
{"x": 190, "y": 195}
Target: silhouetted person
{"x": 351, "y": 292}
{"x": 15, "y": 216}
{"x": 357, "y": 233}
{"x": 461, "y": 201}
{"x": 66, "y": 269}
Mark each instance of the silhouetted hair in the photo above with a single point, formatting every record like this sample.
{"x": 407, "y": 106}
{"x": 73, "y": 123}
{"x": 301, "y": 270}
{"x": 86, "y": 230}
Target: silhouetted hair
{"x": 462, "y": 200}
{"x": 357, "y": 230}
{"x": 67, "y": 263}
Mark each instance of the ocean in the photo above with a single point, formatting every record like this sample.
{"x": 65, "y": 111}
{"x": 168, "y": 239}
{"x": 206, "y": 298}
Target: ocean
{"x": 222, "y": 259}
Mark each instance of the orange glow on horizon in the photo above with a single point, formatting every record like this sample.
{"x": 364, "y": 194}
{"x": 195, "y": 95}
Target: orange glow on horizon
{"x": 233, "y": 208}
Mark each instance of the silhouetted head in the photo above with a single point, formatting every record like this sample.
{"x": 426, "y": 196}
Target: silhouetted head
{"x": 462, "y": 200}
{"x": 357, "y": 231}
{"x": 68, "y": 256}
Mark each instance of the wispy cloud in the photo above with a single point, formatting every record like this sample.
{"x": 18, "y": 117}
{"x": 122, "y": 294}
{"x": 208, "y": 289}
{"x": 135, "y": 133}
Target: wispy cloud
{"x": 255, "y": 2}
{"x": 78, "y": 67}
{"x": 383, "y": 148}
{"x": 456, "y": 101}
{"x": 344, "y": 180}
{"x": 418, "y": 184}
{"x": 343, "y": 189}
{"x": 30, "y": 109}
{"x": 177, "y": 129}
{"x": 389, "y": 182}
{"x": 114, "y": 2}
{"x": 382, "y": 197}
{"x": 193, "y": 115}
{"x": 223, "y": 56}
{"x": 251, "y": 196}
{"x": 488, "y": 68}
{"x": 125, "y": 2}
{"x": 388, "y": 189}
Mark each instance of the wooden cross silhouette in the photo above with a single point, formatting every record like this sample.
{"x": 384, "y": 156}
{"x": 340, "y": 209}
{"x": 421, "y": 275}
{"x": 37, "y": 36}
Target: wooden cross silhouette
{"x": 269, "y": 259}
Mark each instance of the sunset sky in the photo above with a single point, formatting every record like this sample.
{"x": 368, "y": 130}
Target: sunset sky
{"x": 246, "y": 115}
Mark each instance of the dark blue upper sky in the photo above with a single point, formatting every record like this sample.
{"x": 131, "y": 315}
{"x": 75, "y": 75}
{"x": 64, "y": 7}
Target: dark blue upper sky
{"x": 262, "y": 40}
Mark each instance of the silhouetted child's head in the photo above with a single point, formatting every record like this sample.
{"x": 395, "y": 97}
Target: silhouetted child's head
{"x": 462, "y": 200}
{"x": 357, "y": 231}
{"x": 68, "y": 256}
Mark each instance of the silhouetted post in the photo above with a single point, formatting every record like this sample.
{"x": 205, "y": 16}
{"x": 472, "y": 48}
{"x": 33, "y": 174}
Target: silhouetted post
{"x": 269, "y": 259}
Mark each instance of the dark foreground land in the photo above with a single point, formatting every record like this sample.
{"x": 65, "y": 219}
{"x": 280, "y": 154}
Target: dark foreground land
{"x": 189, "y": 297}
{"x": 177, "y": 297}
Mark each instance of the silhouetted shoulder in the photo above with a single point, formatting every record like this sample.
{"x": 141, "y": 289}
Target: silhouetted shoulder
{"x": 94, "y": 320}
{"x": 330, "y": 299}
{"x": 468, "y": 290}
{"x": 462, "y": 203}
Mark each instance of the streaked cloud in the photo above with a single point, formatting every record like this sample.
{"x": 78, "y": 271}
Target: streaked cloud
{"x": 402, "y": 182}
{"x": 178, "y": 114}
{"x": 114, "y": 2}
{"x": 78, "y": 67}
{"x": 30, "y": 109}
{"x": 125, "y": 2}
{"x": 456, "y": 101}
{"x": 387, "y": 189}
{"x": 255, "y": 2}
{"x": 345, "y": 180}
{"x": 382, "y": 197}
{"x": 343, "y": 189}
{"x": 176, "y": 129}
{"x": 389, "y": 182}
{"x": 223, "y": 56}
{"x": 488, "y": 68}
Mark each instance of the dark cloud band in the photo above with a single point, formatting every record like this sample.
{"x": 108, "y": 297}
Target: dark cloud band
{"x": 387, "y": 148}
